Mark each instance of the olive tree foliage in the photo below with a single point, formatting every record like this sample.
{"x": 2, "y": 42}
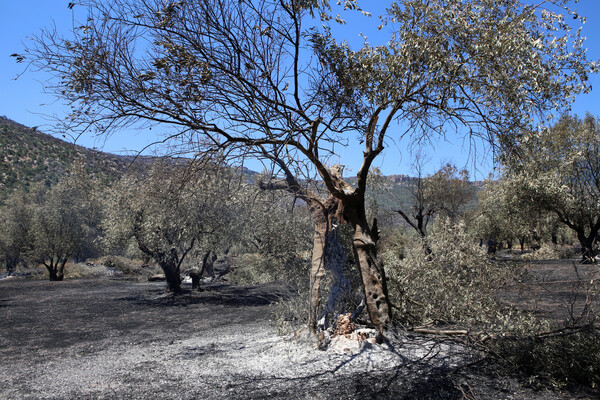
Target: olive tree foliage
{"x": 558, "y": 170}
{"x": 274, "y": 238}
{"x": 505, "y": 214}
{"x": 15, "y": 229}
{"x": 501, "y": 216}
{"x": 270, "y": 77}
{"x": 169, "y": 213}
{"x": 64, "y": 222}
{"x": 276, "y": 224}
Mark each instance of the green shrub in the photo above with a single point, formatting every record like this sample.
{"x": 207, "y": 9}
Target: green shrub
{"x": 455, "y": 284}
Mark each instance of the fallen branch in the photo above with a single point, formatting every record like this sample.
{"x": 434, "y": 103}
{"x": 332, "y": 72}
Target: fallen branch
{"x": 434, "y": 331}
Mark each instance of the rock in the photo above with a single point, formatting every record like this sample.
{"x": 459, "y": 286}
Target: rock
{"x": 156, "y": 278}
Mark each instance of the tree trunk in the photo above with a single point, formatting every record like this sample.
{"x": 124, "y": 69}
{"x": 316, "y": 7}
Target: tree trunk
{"x": 588, "y": 253}
{"x": 327, "y": 255}
{"x": 11, "y": 264}
{"x": 208, "y": 263}
{"x": 522, "y": 244}
{"x": 334, "y": 261}
{"x": 317, "y": 268}
{"x": 172, "y": 276}
{"x": 55, "y": 273}
{"x": 370, "y": 265}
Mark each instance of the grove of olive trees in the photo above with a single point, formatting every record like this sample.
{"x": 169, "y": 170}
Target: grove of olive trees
{"x": 270, "y": 77}
{"x": 557, "y": 171}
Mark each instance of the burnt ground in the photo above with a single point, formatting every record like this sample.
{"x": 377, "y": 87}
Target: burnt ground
{"x": 556, "y": 290}
{"x": 116, "y": 339}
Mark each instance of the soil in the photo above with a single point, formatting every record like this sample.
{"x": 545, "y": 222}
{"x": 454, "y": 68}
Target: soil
{"x": 556, "y": 290}
{"x": 110, "y": 338}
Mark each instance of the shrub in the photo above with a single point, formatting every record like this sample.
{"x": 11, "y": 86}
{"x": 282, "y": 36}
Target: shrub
{"x": 291, "y": 315}
{"x": 83, "y": 270}
{"x": 255, "y": 268}
{"x": 455, "y": 284}
{"x": 549, "y": 252}
{"x": 559, "y": 359}
{"x": 128, "y": 267}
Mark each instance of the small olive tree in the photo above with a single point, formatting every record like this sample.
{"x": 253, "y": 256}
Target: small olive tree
{"x": 445, "y": 193}
{"x": 64, "y": 220}
{"x": 15, "y": 229}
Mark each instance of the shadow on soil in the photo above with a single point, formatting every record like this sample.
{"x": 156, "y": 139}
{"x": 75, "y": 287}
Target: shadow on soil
{"x": 220, "y": 294}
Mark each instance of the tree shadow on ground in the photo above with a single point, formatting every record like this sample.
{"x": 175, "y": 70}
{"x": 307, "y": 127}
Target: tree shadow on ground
{"x": 215, "y": 294}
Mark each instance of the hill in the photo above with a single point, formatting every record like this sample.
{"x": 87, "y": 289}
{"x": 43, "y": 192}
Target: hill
{"x": 29, "y": 156}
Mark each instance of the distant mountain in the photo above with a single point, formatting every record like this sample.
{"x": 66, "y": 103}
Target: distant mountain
{"x": 29, "y": 156}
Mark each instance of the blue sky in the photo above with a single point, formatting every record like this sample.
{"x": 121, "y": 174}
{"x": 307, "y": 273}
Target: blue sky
{"x": 23, "y": 100}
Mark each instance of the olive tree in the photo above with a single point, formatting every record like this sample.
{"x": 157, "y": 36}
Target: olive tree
{"x": 169, "y": 213}
{"x": 446, "y": 193}
{"x": 249, "y": 76}
{"x": 15, "y": 229}
{"x": 63, "y": 219}
{"x": 558, "y": 170}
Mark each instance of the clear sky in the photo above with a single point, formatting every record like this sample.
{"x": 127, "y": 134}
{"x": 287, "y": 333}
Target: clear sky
{"x": 23, "y": 100}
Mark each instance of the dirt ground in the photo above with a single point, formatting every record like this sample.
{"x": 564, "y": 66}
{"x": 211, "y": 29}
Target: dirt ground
{"x": 111, "y": 338}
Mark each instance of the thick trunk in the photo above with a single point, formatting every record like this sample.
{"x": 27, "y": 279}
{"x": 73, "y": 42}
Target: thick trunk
{"x": 208, "y": 263}
{"x": 327, "y": 255}
{"x": 55, "y": 269}
{"x": 54, "y": 273}
{"x": 317, "y": 272}
{"x": 522, "y": 244}
{"x": 334, "y": 261}
{"x": 11, "y": 264}
{"x": 172, "y": 276}
{"x": 370, "y": 266}
{"x": 588, "y": 252}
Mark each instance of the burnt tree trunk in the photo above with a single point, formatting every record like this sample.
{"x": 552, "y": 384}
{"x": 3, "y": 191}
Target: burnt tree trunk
{"x": 324, "y": 243}
{"x": 317, "y": 267}
{"x": 334, "y": 260}
{"x": 370, "y": 265}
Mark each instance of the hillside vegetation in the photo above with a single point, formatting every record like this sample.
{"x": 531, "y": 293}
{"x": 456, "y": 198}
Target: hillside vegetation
{"x": 30, "y": 156}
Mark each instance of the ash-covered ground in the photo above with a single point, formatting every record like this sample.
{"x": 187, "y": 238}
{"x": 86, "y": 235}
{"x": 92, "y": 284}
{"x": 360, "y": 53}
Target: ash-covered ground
{"x": 115, "y": 339}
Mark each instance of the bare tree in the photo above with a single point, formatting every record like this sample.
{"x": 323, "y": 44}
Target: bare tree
{"x": 236, "y": 76}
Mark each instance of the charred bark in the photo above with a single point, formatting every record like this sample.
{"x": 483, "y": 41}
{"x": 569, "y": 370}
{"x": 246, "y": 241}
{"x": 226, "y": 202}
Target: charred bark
{"x": 55, "y": 269}
{"x": 334, "y": 260}
{"x": 370, "y": 265}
